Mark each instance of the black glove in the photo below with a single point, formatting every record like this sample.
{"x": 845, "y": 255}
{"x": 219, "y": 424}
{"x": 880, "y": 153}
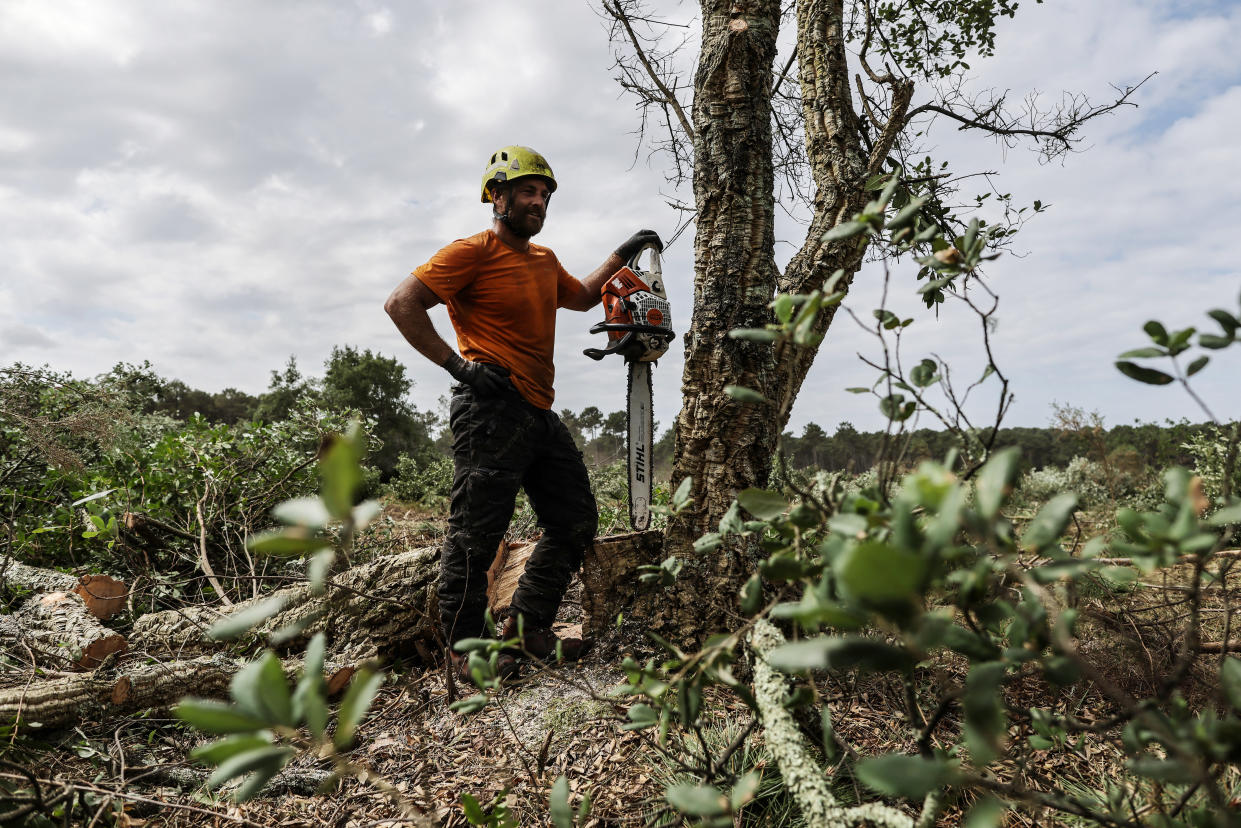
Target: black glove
{"x": 638, "y": 241}
{"x": 486, "y": 380}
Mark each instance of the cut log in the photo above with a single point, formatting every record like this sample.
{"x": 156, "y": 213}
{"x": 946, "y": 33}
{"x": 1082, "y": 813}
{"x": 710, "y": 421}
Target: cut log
{"x": 382, "y": 607}
{"x": 103, "y": 594}
{"x": 60, "y": 630}
{"x": 138, "y": 685}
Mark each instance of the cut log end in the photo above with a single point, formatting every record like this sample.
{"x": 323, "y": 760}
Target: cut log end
{"x": 104, "y": 595}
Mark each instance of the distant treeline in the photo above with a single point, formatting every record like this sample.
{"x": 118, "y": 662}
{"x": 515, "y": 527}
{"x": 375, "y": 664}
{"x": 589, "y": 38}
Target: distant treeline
{"x": 1157, "y": 446}
{"x": 378, "y": 387}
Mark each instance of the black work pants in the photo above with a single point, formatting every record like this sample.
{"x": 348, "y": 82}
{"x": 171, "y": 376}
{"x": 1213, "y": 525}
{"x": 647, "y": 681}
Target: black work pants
{"x": 500, "y": 444}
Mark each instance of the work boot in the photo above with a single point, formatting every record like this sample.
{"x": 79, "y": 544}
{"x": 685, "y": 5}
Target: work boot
{"x": 540, "y": 642}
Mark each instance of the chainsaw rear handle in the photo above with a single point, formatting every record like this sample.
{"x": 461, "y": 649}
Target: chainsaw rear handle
{"x": 620, "y": 346}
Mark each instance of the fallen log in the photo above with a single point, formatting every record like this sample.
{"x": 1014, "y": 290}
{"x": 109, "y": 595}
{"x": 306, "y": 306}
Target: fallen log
{"x": 59, "y": 630}
{"x": 104, "y": 595}
{"x": 384, "y": 606}
{"x": 137, "y": 684}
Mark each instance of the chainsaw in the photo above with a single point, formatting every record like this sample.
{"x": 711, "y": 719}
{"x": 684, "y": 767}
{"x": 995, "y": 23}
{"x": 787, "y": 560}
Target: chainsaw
{"x": 638, "y": 322}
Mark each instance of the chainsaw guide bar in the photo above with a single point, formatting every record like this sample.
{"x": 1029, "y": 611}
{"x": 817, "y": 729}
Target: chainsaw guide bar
{"x": 638, "y": 322}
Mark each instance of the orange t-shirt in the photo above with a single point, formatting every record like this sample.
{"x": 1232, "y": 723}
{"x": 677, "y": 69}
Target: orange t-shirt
{"x": 502, "y": 304}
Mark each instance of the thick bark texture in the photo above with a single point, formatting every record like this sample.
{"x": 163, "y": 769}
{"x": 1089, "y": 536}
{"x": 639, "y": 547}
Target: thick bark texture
{"x": 723, "y": 444}
{"x": 58, "y": 631}
{"x": 384, "y": 606}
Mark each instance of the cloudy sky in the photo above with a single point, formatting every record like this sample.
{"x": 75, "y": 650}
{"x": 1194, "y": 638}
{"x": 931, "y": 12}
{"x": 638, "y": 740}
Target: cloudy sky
{"x": 215, "y": 186}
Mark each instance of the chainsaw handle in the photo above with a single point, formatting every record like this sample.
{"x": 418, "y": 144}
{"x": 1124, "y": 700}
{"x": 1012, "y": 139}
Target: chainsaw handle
{"x": 655, "y": 330}
{"x": 656, "y": 271}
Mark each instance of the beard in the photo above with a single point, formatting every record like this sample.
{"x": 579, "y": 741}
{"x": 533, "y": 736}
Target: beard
{"x": 524, "y": 223}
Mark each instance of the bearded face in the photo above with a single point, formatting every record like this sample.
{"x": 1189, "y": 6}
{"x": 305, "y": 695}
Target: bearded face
{"x": 523, "y": 204}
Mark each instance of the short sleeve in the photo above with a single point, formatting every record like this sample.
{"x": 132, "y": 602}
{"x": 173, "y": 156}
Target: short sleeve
{"x": 566, "y": 285}
{"x": 451, "y": 270}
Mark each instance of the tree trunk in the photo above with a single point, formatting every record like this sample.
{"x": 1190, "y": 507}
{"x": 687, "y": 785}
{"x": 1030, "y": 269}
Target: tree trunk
{"x": 723, "y": 444}
{"x": 58, "y": 631}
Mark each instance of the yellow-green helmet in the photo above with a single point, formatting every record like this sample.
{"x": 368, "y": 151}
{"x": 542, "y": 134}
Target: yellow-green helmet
{"x": 511, "y": 163}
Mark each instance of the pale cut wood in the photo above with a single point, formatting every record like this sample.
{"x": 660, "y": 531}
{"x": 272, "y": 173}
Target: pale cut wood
{"x": 504, "y": 575}
{"x": 103, "y": 594}
{"x": 58, "y": 629}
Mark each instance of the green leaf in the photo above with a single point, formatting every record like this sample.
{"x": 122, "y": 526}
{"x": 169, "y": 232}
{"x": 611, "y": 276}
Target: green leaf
{"x": 984, "y": 718}
{"x": 754, "y": 334}
{"x": 995, "y": 481}
{"x": 731, "y": 523}
{"x": 1049, "y": 524}
{"x": 216, "y": 717}
{"x": 743, "y": 394}
{"x": 681, "y": 496}
{"x": 911, "y": 777}
{"x": 751, "y": 595}
{"x": 837, "y": 653}
{"x": 1157, "y": 332}
{"x": 473, "y": 704}
{"x": 303, "y": 511}
{"x": 1226, "y": 515}
{"x": 708, "y": 542}
{"x": 213, "y": 753}
{"x": 641, "y": 716}
{"x": 1147, "y": 375}
{"x": 266, "y": 758}
{"x": 1148, "y": 352}
{"x": 783, "y": 306}
{"x": 341, "y": 473}
{"x": 697, "y": 800}
{"x": 763, "y": 504}
{"x": 285, "y": 542}
{"x": 1226, "y": 320}
{"x": 744, "y": 791}
{"x": 558, "y": 806}
{"x": 364, "y": 513}
{"x": 1164, "y": 770}
{"x": 857, "y": 390}
{"x": 261, "y": 690}
{"x": 923, "y": 374}
{"x": 1230, "y": 681}
{"x": 353, "y": 707}
{"x": 1118, "y": 575}
{"x": 1214, "y": 342}
{"x": 473, "y": 811}
{"x": 845, "y": 230}
{"x": 237, "y": 623}
{"x": 879, "y": 573}
{"x": 318, "y": 569}
{"x": 91, "y": 497}
{"x": 1197, "y": 365}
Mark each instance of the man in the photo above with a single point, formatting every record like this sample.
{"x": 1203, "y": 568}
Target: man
{"x": 502, "y": 293}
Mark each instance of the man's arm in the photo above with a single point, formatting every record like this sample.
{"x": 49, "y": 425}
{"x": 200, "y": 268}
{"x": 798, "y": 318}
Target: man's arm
{"x": 408, "y": 305}
{"x": 592, "y": 285}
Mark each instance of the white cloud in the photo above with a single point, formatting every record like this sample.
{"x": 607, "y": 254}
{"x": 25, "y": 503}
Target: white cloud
{"x": 217, "y": 186}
